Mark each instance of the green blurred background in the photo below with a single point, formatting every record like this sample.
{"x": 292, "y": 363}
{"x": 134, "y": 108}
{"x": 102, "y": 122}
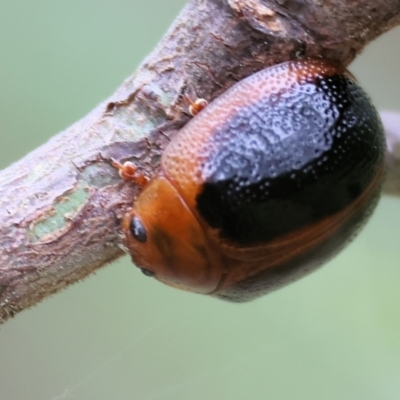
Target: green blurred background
{"x": 119, "y": 335}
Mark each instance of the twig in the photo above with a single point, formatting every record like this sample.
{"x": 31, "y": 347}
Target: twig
{"x": 391, "y": 122}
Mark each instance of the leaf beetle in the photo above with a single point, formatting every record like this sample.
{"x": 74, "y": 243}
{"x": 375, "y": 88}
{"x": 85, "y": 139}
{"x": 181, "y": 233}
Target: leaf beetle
{"x": 264, "y": 185}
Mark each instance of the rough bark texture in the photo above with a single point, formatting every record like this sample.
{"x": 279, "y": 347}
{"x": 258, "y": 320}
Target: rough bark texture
{"x": 60, "y": 205}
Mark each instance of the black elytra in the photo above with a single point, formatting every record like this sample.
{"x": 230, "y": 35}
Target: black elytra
{"x": 291, "y": 159}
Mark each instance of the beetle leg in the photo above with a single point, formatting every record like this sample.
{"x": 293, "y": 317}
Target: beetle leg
{"x": 195, "y": 106}
{"x": 130, "y": 172}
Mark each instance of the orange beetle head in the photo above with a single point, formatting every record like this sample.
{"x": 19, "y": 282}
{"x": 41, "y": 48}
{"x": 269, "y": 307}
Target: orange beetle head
{"x": 166, "y": 241}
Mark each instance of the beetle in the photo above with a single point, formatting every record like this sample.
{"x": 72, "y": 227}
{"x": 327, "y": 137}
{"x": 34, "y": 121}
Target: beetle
{"x": 262, "y": 186}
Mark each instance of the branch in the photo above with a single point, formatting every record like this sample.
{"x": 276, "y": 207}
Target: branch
{"x": 61, "y": 204}
{"x": 391, "y": 122}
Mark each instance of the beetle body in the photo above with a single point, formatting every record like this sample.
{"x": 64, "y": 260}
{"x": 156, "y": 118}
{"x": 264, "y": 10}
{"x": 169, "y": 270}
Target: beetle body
{"x": 262, "y": 186}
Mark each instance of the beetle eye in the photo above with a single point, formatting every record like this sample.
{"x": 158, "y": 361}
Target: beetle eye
{"x": 147, "y": 272}
{"x": 137, "y": 229}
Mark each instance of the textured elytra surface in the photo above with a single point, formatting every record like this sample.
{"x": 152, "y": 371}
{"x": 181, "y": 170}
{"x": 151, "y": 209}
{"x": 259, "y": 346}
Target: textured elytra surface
{"x": 184, "y": 158}
{"x": 290, "y": 159}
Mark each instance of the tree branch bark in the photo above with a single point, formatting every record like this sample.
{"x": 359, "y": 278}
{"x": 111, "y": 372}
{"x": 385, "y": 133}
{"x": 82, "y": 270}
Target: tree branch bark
{"x": 61, "y": 204}
{"x": 391, "y": 122}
